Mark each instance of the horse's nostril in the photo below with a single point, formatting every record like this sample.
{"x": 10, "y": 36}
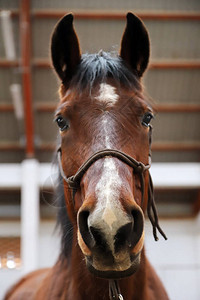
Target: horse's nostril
{"x": 82, "y": 219}
{"x": 138, "y": 226}
{"x": 83, "y": 228}
{"x": 98, "y": 237}
{"x": 123, "y": 237}
{"x": 129, "y": 234}
{"x": 96, "y": 234}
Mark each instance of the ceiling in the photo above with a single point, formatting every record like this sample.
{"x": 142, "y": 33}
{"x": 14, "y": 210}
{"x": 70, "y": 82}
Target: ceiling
{"x": 172, "y": 80}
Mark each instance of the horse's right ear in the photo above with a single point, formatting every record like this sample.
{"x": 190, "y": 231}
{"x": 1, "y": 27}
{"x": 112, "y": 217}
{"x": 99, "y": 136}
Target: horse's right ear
{"x": 65, "y": 51}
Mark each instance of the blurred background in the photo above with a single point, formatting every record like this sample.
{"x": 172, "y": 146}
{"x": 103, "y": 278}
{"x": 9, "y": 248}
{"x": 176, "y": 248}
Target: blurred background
{"x": 28, "y": 135}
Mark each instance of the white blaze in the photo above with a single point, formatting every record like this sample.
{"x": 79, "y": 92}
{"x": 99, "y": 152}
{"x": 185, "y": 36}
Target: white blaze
{"x": 107, "y": 192}
{"x": 108, "y": 214}
{"x": 106, "y": 131}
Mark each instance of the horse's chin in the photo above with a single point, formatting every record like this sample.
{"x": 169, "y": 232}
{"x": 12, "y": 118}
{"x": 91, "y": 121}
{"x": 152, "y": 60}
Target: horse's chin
{"x": 114, "y": 271}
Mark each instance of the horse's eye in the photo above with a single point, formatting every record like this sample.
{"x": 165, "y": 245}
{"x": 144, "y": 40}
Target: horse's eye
{"x": 63, "y": 124}
{"x": 147, "y": 119}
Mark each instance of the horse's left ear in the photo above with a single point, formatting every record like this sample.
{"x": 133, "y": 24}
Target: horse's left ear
{"x": 65, "y": 51}
{"x": 135, "y": 45}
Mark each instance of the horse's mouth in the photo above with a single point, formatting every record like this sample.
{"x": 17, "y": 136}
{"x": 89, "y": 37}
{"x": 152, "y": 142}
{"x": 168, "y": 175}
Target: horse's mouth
{"x": 114, "y": 271}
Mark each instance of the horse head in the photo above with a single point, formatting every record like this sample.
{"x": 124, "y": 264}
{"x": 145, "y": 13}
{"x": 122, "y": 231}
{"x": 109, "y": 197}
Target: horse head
{"x": 105, "y": 130}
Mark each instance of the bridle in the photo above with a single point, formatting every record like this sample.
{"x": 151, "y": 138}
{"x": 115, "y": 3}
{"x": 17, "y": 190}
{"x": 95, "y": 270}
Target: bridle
{"x": 74, "y": 181}
{"x": 138, "y": 168}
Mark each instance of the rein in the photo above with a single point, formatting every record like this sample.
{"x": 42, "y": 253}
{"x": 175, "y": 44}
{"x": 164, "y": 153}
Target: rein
{"x": 114, "y": 290}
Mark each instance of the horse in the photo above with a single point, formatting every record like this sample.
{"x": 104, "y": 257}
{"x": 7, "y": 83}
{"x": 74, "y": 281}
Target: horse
{"x": 105, "y": 185}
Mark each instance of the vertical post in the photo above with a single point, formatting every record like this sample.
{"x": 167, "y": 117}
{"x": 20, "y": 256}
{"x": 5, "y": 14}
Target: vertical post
{"x": 30, "y": 215}
{"x": 8, "y": 36}
{"x": 26, "y": 74}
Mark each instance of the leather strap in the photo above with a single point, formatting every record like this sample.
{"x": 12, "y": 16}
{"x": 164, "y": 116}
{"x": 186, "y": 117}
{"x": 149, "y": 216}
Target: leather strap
{"x": 74, "y": 181}
{"x": 114, "y": 290}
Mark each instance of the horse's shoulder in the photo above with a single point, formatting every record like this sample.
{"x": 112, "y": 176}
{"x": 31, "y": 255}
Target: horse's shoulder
{"x": 27, "y": 286}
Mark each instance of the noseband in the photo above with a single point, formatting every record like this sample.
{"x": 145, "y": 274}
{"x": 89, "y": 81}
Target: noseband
{"x": 74, "y": 181}
{"x": 138, "y": 168}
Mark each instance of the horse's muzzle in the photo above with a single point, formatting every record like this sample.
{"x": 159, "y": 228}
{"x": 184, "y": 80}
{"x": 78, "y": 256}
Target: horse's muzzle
{"x": 115, "y": 274}
{"x": 111, "y": 251}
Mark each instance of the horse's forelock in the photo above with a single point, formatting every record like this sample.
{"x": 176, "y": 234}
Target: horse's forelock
{"x": 97, "y": 68}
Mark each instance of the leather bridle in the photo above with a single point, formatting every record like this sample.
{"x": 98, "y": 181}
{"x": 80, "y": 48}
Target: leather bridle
{"x": 74, "y": 181}
{"x": 138, "y": 168}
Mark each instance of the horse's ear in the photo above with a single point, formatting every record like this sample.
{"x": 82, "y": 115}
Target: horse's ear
{"x": 65, "y": 51}
{"x": 135, "y": 45}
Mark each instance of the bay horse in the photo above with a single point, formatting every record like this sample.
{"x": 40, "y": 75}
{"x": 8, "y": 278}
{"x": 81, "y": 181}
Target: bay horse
{"x": 104, "y": 160}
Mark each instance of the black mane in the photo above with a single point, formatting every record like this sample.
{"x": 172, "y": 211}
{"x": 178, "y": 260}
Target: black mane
{"x": 63, "y": 221}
